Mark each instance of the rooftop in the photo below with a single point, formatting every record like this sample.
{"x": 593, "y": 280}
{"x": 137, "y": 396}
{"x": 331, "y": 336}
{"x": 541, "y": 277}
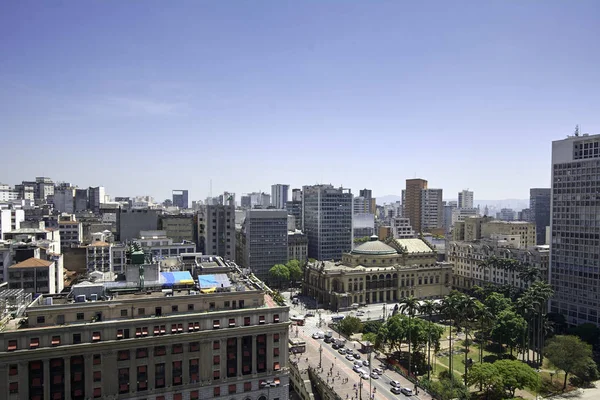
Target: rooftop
{"x": 374, "y": 247}
{"x": 98, "y": 243}
{"x": 414, "y": 245}
{"x": 32, "y": 263}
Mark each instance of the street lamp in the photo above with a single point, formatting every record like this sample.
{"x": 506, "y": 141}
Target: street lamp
{"x": 320, "y": 355}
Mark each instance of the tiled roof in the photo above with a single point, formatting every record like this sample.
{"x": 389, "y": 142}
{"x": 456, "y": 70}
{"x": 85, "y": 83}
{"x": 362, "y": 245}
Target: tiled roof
{"x": 414, "y": 245}
{"x": 99, "y": 243}
{"x": 32, "y": 263}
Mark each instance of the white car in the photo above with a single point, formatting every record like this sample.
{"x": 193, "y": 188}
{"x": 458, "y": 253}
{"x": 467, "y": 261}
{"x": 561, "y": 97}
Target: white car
{"x": 396, "y": 390}
{"x": 406, "y": 391}
{"x": 378, "y": 371}
{"x": 374, "y": 375}
{"x": 360, "y": 313}
{"x": 364, "y": 376}
{"x": 395, "y": 384}
{"x": 349, "y": 357}
{"x": 315, "y": 335}
{"x": 365, "y": 363}
{"x": 356, "y": 368}
{"x": 358, "y": 363}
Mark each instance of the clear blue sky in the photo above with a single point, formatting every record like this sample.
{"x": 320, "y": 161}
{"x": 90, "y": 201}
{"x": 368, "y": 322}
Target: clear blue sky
{"x": 148, "y": 96}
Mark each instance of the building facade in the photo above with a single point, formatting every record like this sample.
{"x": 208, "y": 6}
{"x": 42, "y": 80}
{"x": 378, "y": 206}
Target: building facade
{"x": 180, "y": 199}
{"x": 401, "y": 228}
{"x": 377, "y": 272}
{"x": 327, "y": 216}
{"x": 465, "y": 199}
{"x": 216, "y": 230}
{"x": 297, "y": 246}
{"x": 185, "y": 346}
{"x": 10, "y": 220}
{"x": 35, "y": 275}
{"x": 279, "y": 195}
{"x": 575, "y": 229}
{"x": 539, "y": 206}
{"x": 96, "y": 198}
{"x": 412, "y": 202}
{"x": 432, "y": 210}
{"x": 131, "y": 221}
{"x": 178, "y": 227}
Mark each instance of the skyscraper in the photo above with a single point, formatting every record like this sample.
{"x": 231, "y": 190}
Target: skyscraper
{"x": 575, "y": 229}
{"x": 539, "y": 206}
{"x": 180, "y": 198}
{"x": 432, "y": 209}
{"x": 216, "y": 229}
{"x": 96, "y": 197}
{"x": 370, "y": 203}
{"x": 327, "y": 216}
{"x": 465, "y": 199}
{"x": 279, "y": 195}
{"x": 412, "y": 202}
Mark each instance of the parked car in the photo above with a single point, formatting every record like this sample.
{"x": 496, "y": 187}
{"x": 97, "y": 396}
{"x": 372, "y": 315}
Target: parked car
{"x": 328, "y": 339}
{"x": 396, "y": 390}
{"x": 406, "y": 391}
{"x": 360, "y": 313}
{"x": 374, "y": 375}
{"x": 309, "y": 314}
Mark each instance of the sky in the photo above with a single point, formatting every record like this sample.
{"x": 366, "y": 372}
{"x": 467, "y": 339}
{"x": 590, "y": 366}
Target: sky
{"x": 144, "y": 97}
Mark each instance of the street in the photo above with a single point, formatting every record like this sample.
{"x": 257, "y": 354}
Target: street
{"x": 334, "y": 363}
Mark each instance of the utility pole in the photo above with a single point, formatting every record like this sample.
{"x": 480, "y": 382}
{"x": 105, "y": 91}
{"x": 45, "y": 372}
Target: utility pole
{"x": 320, "y": 356}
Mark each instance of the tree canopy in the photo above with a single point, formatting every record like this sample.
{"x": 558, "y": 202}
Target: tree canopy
{"x": 509, "y": 328}
{"x": 568, "y": 354}
{"x": 350, "y": 325}
{"x": 279, "y": 272}
{"x": 486, "y": 376}
{"x": 516, "y": 375}
{"x": 293, "y": 267}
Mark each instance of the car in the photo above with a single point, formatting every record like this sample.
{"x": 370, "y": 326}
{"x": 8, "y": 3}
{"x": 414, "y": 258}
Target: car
{"x": 365, "y": 363}
{"x": 334, "y": 345}
{"x": 357, "y": 356}
{"x": 378, "y": 371}
{"x": 358, "y": 363}
{"x": 356, "y": 368}
{"x": 396, "y": 384}
{"x": 328, "y": 339}
{"x": 342, "y": 351}
{"x": 364, "y": 376}
{"x": 406, "y": 391}
{"x": 329, "y": 334}
{"x": 360, "y": 313}
{"x": 309, "y": 314}
{"x": 349, "y": 357}
{"x": 374, "y": 375}
{"x": 396, "y": 390}
{"x": 316, "y": 336}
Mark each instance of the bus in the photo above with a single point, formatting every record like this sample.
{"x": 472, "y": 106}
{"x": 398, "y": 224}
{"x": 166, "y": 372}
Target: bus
{"x": 297, "y": 345}
{"x": 297, "y": 320}
{"x": 336, "y": 318}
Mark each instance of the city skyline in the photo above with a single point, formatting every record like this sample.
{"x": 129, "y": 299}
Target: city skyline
{"x": 480, "y": 90}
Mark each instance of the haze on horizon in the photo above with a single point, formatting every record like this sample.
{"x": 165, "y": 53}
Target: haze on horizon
{"x": 142, "y": 98}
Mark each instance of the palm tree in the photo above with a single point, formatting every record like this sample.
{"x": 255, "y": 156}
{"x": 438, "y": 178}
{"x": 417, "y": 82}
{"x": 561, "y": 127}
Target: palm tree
{"x": 429, "y": 307}
{"x": 526, "y": 306}
{"x": 484, "y": 317}
{"x": 409, "y": 306}
{"x": 450, "y": 307}
{"x": 541, "y": 293}
{"x": 467, "y": 308}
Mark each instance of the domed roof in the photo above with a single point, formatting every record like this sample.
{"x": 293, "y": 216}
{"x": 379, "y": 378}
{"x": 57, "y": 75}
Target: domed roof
{"x": 374, "y": 247}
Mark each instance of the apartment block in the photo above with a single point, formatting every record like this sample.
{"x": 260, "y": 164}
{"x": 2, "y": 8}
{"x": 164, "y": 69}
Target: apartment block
{"x": 178, "y": 227}
{"x": 71, "y": 233}
{"x": 412, "y": 202}
{"x": 539, "y": 206}
{"x": 216, "y": 230}
{"x": 10, "y": 220}
{"x": 279, "y": 195}
{"x": 180, "y": 199}
{"x": 131, "y": 221}
{"x": 35, "y": 276}
{"x": 432, "y": 210}
{"x": 297, "y": 246}
{"x": 465, "y": 199}
{"x": 525, "y": 231}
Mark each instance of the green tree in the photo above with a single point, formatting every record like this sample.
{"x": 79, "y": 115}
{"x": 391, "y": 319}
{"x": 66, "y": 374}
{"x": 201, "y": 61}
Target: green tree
{"x": 496, "y": 303}
{"x": 350, "y": 325}
{"x": 467, "y": 310}
{"x": 486, "y": 376}
{"x": 428, "y": 308}
{"x": 372, "y": 326}
{"x": 409, "y": 306}
{"x": 516, "y": 375}
{"x": 279, "y": 273}
{"x": 509, "y": 329}
{"x": 568, "y": 354}
{"x": 587, "y": 373}
{"x": 540, "y": 292}
{"x": 587, "y": 332}
{"x": 484, "y": 319}
{"x": 396, "y": 331}
{"x": 451, "y": 309}
{"x": 295, "y": 271}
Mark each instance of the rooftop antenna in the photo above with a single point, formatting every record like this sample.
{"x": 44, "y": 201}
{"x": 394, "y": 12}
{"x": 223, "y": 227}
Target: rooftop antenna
{"x": 577, "y": 130}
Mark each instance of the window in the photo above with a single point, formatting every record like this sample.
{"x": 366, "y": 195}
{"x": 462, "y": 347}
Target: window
{"x": 231, "y": 322}
{"x": 160, "y": 350}
{"x": 80, "y": 316}
{"x": 13, "y": 369}
{"x": 276, "y": 318}
{"x": 190, "y": 307}
{"x": 119, "y": 334}
{"x": 232, "y": 389}
{"x": 276, "y": 366}
{"x": 97, "y": 393}
{"x": 195, "y": 395}
{"x": 97, "y": 359}
{"x": 226, "y": 304}
{"x": 159, "y": 375}
{"x": 246, "y": 321}
{"x": 123, "y": 355}
{"x": 216, "y": 392}
{"x": 261, "y": 320}
{"x": 177, "y": 396}
{"x": 174, "y": 308}
{"x": 76, "y": 338}
{"x": 60, "y": 319}
{"x": 216, "y": 345}
{"x": 13, "y": 387}
{"x": 216, "y": 324}
{"x": 158, "y": 311}
{"x": 123, "y": 380}
{"x": 124, "y": 313}
{"x": 211, "y": 305}
{"x": 95, "y": 336}
{"x": 141, "y": 352}
{"x": 177, "y": 373}
{"x": 55, "y": 340}
{"x": 177, "y": 349}
{"x": 34, "y": 343}
{"x": 216, "y": 360}
{"x": 141, "y": 311}
{"x": 194, "y": 346}
{"x": 216, "y": 375}
{"x": 276, "y": 337}
{"x": 276, "y": 351}
{"x": 97, "y": 376}
{"x": 247, "y": 386}
{"x": 41, "y": 319}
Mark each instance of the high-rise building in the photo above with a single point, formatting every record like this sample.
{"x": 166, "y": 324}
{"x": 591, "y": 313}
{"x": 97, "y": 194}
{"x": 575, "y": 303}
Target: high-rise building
{"x": 371, "y": 205}
{"x": 539, "y": 206}
{"x": 133, "y": 220}
{"x": 44, "y": 187}
{"x": 575, "y": 231}
{"x": 64, "y": 199}
{"x": 327, "y": 216}
{"x": 432, "y": 209}
{"x": 81, "y": 200}
{"x": 279, "y": 195}
{"x": 7, "y": 193}
{"x": 412, "y": 202}
{"x": 294, "y": 208}
{"x": 96, "y": 197}
{"x": 216, "y": 229}
{"x": 180, "y": 198}
{"x": 10, "y": 220}
{"x": 297, "y": 195}
{"x": 264, "y": 241}
{"x": 465, "y": 199}
{"x": 506, "y": 214}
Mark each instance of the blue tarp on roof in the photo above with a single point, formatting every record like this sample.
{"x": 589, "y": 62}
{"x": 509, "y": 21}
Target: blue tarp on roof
{"x": 176, "y": 278}
{"x": 213, "y": 281}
